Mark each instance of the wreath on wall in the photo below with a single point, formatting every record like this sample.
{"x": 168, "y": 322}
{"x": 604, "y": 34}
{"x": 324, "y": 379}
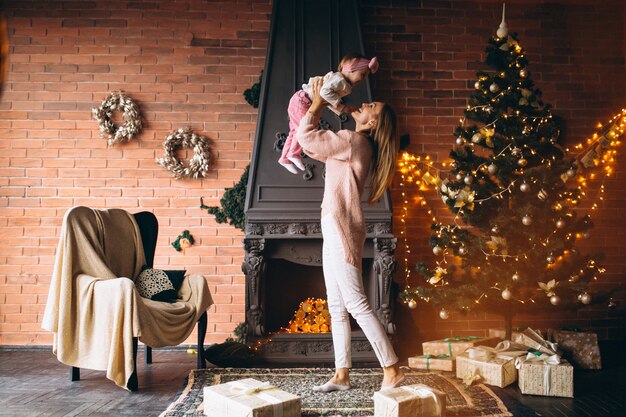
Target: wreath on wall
{"x": 118, "y": 101}
{"x": 199, "y": 164}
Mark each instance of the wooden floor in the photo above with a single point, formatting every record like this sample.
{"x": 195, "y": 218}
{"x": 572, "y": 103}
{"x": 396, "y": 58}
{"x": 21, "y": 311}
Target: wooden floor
{"x": 33, "y": 383}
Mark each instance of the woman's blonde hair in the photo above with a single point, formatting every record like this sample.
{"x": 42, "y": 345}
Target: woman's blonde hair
{"x": 386, "y": 148}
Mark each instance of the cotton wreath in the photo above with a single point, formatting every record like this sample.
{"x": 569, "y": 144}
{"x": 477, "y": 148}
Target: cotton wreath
{"x": 199, "y": 164}
{"x": 118, "y": 101}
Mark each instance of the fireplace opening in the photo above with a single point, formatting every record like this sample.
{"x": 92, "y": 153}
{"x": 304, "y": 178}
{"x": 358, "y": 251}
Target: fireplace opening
{"x": 289, "y": 283}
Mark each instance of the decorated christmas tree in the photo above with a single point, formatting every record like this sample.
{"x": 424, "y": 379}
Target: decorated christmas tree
{"x": 512, "y": 246}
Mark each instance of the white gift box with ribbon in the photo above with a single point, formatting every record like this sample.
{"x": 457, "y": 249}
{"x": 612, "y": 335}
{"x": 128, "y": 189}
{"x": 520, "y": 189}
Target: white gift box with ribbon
{"x": 494, "y": 366}
{"x": 249, "y": 398}
{"x": 544, "y": 374}
{"x": 416, "y": 400}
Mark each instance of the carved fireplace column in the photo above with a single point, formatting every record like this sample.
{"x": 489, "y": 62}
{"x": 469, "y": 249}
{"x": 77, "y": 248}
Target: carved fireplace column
{"x": 384, "y": 267}
{"x": 254, "y": 269}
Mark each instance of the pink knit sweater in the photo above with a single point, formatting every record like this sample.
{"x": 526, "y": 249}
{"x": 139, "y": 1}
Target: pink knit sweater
{"x": 347, "y": 155}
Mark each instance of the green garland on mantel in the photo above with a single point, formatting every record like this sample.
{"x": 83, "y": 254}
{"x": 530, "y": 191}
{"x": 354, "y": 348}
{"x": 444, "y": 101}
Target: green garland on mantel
{"x": 232, "y": 203}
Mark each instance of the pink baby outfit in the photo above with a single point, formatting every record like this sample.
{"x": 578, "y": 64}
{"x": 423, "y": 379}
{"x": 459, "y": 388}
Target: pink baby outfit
{"x": 334, "y": 88}
{"x": 348, "y": 156}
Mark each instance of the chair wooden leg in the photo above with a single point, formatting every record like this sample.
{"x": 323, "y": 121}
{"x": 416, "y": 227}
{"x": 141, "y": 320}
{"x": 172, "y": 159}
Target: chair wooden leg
{"x": 202, "y": 325}
{"x": 133, "y": 382}
{"x": 75, "y": 374}
{"x": 148, "y": 355}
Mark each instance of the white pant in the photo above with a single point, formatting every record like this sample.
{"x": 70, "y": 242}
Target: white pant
{"x": 345, "y": 293}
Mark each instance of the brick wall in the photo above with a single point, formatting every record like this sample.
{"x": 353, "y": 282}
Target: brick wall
{"x": 188, "y": 62}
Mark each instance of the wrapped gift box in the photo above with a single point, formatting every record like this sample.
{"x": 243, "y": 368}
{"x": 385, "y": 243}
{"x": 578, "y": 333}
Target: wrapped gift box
{"x": 498, "y": 370}
{"x": 540, "y": 378}
{"x": 581, "y": 348}
{"x": 514, "y": 333}
{"x": 249, "y": 398}
{"x": 430, "y": 362}
{"x": 534, "y": 340}
{"x": 410, "y": 401}
{"x": 453, "y": 346}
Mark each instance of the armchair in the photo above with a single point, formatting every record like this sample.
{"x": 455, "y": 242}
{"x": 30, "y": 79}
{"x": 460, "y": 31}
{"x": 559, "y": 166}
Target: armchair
{"x": 94, "y": 310}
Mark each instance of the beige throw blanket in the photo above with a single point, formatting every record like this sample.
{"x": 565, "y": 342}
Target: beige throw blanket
{"x": 93, "y": 308}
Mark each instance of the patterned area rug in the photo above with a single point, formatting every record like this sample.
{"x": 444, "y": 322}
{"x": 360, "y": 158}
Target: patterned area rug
{"x": 476, "y": 400}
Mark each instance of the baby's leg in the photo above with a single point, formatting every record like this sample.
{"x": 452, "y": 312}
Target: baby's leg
{"x": 294, "y": 120}
{"x": 301, "y": 104}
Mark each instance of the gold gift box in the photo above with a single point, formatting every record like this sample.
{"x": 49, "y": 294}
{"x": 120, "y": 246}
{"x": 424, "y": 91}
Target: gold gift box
{"x": 498, "y": 371}
{"x": 538, "y": 378}
{"x": 410, "y": 401}
{"x": 430, "y": 362}
{"x": 249, "y": 398}
{"x": 454, "y": 346}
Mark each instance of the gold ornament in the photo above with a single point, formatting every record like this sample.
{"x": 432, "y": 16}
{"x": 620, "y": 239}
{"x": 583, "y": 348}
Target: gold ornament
{"x": 555, "y": 300}
{"x": 443, "y": 314}
{"x": 506, "y": 294}
{"x": 412, "y": 304}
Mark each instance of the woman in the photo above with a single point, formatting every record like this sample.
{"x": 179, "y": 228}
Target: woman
{"x": 349, "y": 155}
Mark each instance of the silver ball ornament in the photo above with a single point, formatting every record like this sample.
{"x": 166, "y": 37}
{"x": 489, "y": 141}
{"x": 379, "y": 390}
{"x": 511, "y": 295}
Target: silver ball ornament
{"x": 495, "y": 229}
{"x": 460, "y": 140}
{"x": 443, "y": 314}
{"x": 527, "y": 220}
{"x": 494, "y": 88}
{"x": 468, "y": 179}
{"x": 515, "y": 277}
{"x": 492, "y": 168}
{"x": 412, "y": 304}
{"x": 524, "y": 187}
{"x": 477, "y": 85}
{"x": 550, "y": 259}
{"x": 476, "y": 137}
{"x": 555, "y": 300}
{"x": 437, "y": 250}
{"x": 506, "y": 294}
{"x": 459, "y": 176}
{"x": 560, "y": 224}
{"x": 522, "y": 162}
{"x": 584, "y": 298}
{"x": 570, "y": 172}
{"x": 462, "y": 250}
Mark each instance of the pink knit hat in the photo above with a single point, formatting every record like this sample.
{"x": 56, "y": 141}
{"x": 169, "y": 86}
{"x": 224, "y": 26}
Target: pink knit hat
{"x": 361, "y": 64}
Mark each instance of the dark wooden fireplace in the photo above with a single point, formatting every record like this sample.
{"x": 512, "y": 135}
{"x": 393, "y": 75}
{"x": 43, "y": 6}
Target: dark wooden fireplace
{"x": 283, "y": 241}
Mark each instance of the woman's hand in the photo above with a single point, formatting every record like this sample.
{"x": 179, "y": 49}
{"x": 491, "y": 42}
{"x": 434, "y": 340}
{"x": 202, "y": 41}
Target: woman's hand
{"x": 318, "y": 103}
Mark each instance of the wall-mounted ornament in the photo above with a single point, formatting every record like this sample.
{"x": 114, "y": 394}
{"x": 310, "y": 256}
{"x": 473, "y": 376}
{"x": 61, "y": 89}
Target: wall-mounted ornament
{"x": 184, "y": 241}
{"x": 199, "y": 164}
{"x": 118, "y": 101}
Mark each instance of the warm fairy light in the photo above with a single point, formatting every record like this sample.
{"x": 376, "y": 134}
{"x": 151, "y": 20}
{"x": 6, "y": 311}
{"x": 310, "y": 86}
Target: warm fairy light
{"x": 312, "y": 316}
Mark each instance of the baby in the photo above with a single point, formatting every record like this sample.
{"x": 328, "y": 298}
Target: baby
{"x": 352, "y": 70}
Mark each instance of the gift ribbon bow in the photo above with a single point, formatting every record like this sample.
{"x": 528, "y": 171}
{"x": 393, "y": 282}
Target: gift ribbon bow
{"x": 505, "y": 350}
{"x": 240, "y": 389}
{"x": 472, "y": 377}
{"x": 429, "y": 357}
{"x": 547, "y": 360}
{"x": 424, "y": 391}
